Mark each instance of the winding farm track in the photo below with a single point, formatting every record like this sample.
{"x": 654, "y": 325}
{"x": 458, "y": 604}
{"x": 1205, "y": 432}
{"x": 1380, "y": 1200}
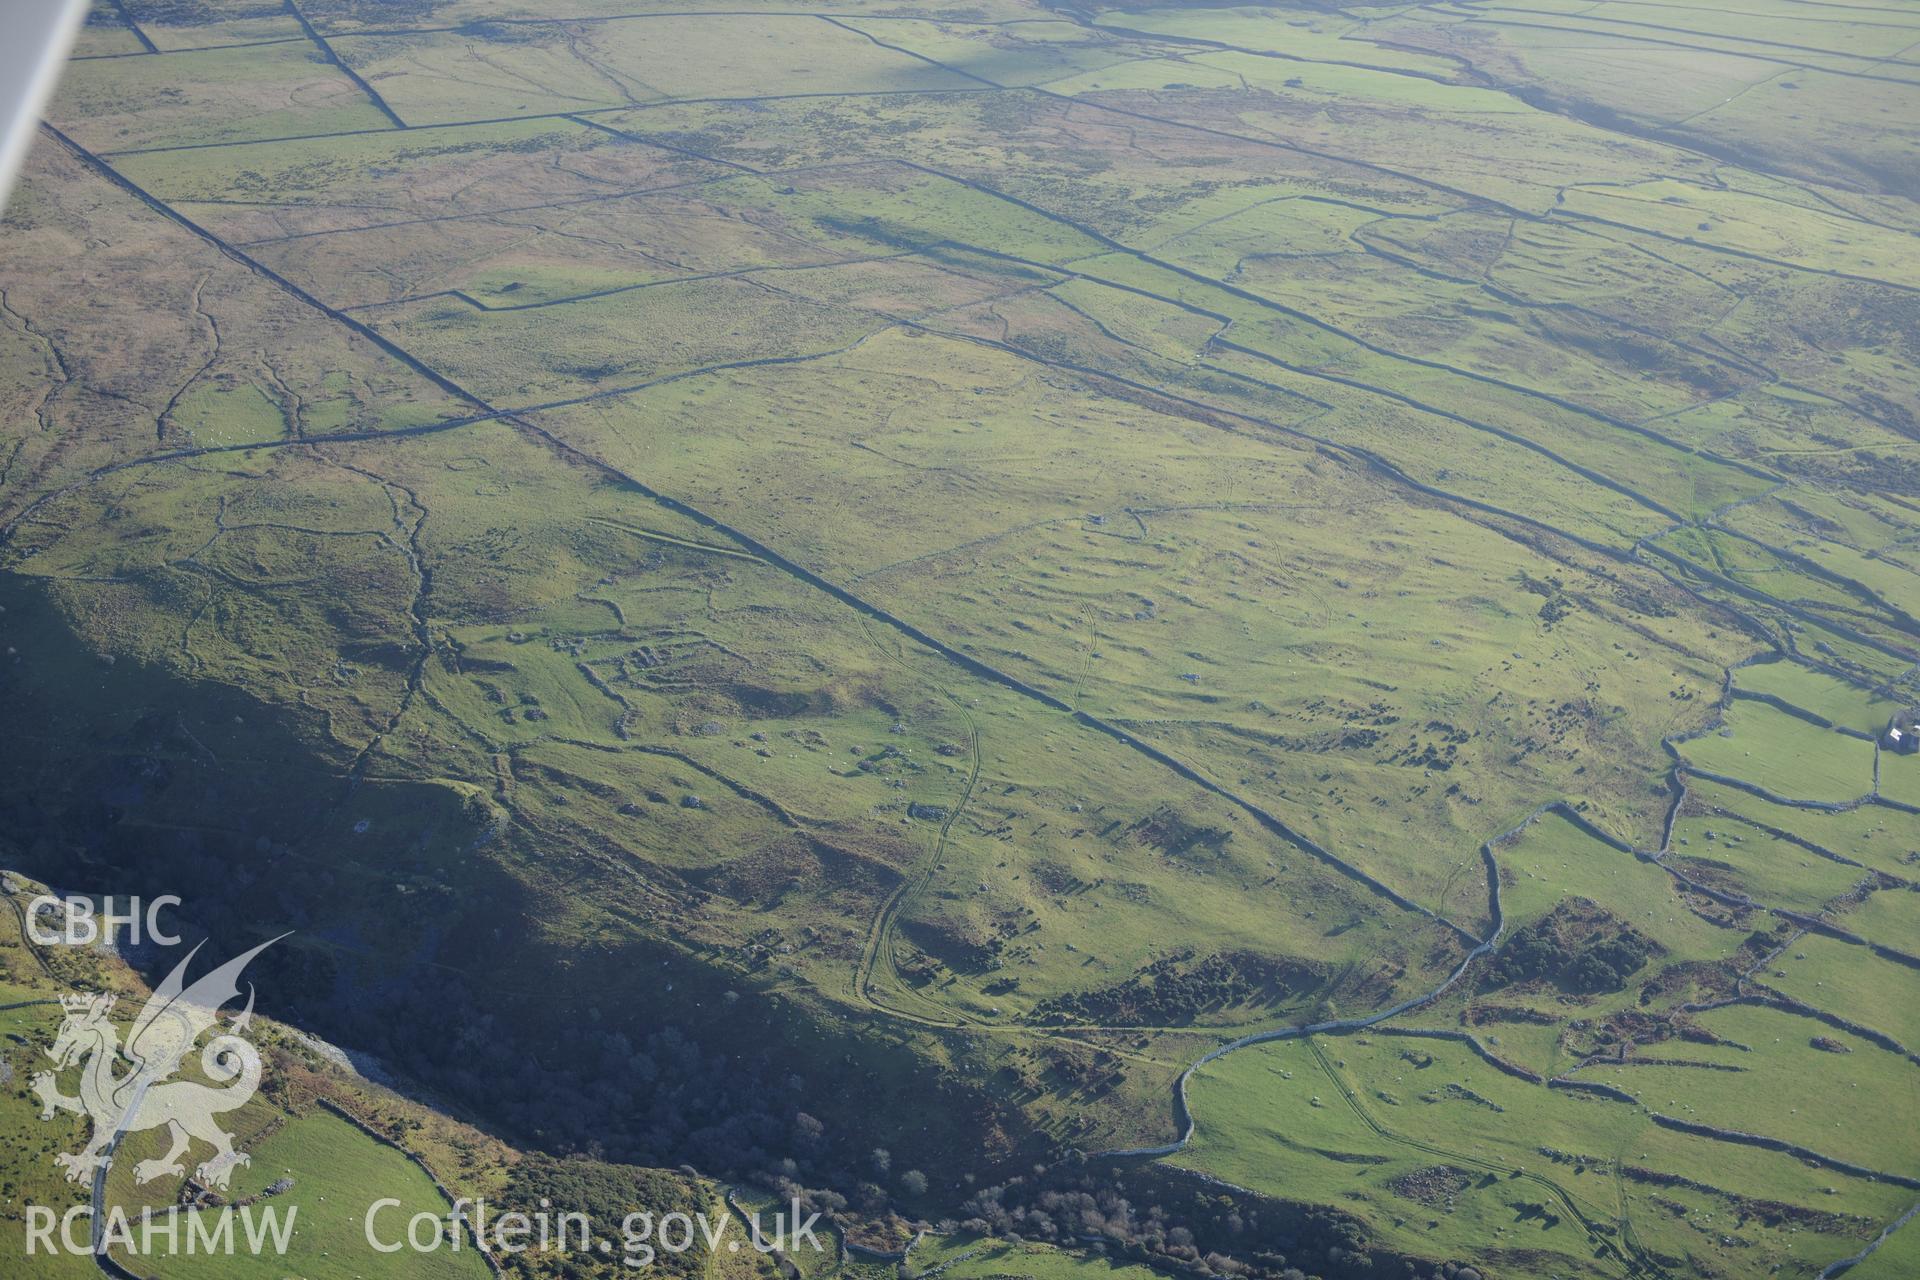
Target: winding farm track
{"x": 878, "y": 948}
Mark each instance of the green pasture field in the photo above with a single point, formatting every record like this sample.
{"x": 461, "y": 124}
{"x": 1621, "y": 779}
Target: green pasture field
{"x": 1888, "y": 917}
{"x": 355, "y": 170}
{"x": 1762, "y": 866}
{"x": 242, "y": 28}
{"x": 1785, "y": 755}
{"x": 956, "y": 1254}
{"x": 1838, "y": 701}
{"x": 1296, "y": 36}
{"x": 1896, "y": 1257}
{"x": 1553, "y": 858}
{"x": 1900, "y": 779}
{"x": 30, "y": 982}
{"x": 338, "y": 1172}
{"x": 1739, "y": 221}
{"x": 232, "y": 95}
{"x": 335, "y": 1167}
{"x": 1870, "y": 991}
{"x": 1876, "y": 836}
{"x": 976, "y": 1259}
{"x": 103, "y": 35}
{"x": 491, "y": 72}
{"x": 1530, "y": 1170}
{"x": 32, "y": 1178}
{"x": 1869, "y": 551}
{"x": 1037, "y": 52}
{"x": 1712, "y": 78}
{"x": 308, "y": 1165}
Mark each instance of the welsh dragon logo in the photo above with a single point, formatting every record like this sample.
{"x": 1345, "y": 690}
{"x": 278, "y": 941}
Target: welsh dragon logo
{"x": 128, "y": 1088}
